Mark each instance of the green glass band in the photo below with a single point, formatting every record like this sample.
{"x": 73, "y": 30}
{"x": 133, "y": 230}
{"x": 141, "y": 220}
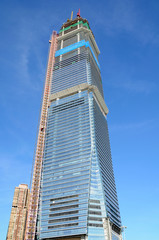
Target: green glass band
{"x": 73, "y": 25}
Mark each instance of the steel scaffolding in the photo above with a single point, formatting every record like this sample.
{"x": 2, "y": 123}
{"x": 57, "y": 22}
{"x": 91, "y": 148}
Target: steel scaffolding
{"x": 35, "y": 189}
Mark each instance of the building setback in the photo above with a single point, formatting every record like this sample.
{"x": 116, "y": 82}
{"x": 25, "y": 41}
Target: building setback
{"x": 73, "y": 192}
{"x": 18, "y": 215}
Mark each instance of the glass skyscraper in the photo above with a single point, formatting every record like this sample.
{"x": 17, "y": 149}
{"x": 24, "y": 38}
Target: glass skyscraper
{"x": 78, "y": 198}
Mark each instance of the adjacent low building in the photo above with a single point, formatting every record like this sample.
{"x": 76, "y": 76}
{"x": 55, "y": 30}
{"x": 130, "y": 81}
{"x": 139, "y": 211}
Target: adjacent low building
{"x": 18, "y": 215}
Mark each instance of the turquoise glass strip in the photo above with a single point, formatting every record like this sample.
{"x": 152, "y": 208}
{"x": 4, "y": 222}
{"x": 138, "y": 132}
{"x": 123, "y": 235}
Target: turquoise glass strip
{"x": 75, "y": 46}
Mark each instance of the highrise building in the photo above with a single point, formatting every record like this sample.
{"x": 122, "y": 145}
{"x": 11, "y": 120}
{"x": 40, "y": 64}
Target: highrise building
{"x": 18, "y": 215}
{"x": 73, "y": 192}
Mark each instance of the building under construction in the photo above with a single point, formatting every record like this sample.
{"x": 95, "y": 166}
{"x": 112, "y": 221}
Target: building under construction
{"x": 18, "y": 215}
{"x": 73, "y": 193}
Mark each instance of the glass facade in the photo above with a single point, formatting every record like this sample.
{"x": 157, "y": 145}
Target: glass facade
{"x": 78, "y": 190}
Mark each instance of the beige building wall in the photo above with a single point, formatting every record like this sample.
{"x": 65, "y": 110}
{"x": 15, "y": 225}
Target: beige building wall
{"x": 18, "y": 215}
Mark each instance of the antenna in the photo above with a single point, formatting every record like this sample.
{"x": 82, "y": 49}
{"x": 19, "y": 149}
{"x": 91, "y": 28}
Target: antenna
{"x": 78, "y": 14}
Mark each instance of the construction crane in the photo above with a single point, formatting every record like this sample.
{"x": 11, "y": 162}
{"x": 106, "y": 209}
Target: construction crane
{"x": 35, "y": 189}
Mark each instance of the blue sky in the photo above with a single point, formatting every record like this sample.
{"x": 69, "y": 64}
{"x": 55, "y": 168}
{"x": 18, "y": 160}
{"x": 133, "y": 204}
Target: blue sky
{"x": 127, "y": 34}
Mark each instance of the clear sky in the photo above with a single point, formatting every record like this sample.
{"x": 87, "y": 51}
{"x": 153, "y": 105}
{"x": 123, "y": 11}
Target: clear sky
{"x": 127, "y": 33}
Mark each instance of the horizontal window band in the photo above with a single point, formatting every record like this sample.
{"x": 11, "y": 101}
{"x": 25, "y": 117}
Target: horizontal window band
{"x": 75, "y": 124}
{"x": 63, "y": 206}
{"x": 64, "y": 190}
{"x": 95, "y": 219}
{"x": 72, "y": 166}
{"x": 79, "y": 221}
{"x": 94, "y": 207}
{"x": 79, "y": 191}
{"x": 82, "y": 87}
{"x": 76, "y": 118}
{"x": 77, "y": 175}
{"x": 63, "y": 172}
{"x": 63, "y": 213}
{"x": 63, "y": 219}
{"x": 76, "y": 152}
{"x": 49, "y": 161}
{"x": 66, "y": 202}
{"x": 77, "y": 60}
{"x": 66, "y": 142}
{"x": 60, "y": 217}
{"x": 63, "y": 180}
{"x": 62, "y": 226}
{"x": 58, "y": 150}
{"x": 80, "y": 197}
{"x": 75, "y": 46}
{"x": 81, "y": 227}
{"x": 68, "y": 79}
{"x": 76, "y": 115}
{"x": 65, "y": 184}
{"x": 94, "y": 212}
{"x": 95, "y": 225}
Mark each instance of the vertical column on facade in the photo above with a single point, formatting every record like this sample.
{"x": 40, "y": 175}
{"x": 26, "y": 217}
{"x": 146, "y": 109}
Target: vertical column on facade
{"x": 78, "y": 37}
{"x": 61, "y": 44}
{"x": 19, "y": 213}
{"x": 35, "y": 190}
{"x": 107, "y": 229}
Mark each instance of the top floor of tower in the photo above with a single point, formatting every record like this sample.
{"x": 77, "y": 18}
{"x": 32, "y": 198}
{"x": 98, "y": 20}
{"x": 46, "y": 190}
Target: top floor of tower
{"x": 77, "y": 31}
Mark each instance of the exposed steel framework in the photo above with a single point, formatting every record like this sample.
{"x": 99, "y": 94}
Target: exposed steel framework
{"x": 35, "y": 189}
